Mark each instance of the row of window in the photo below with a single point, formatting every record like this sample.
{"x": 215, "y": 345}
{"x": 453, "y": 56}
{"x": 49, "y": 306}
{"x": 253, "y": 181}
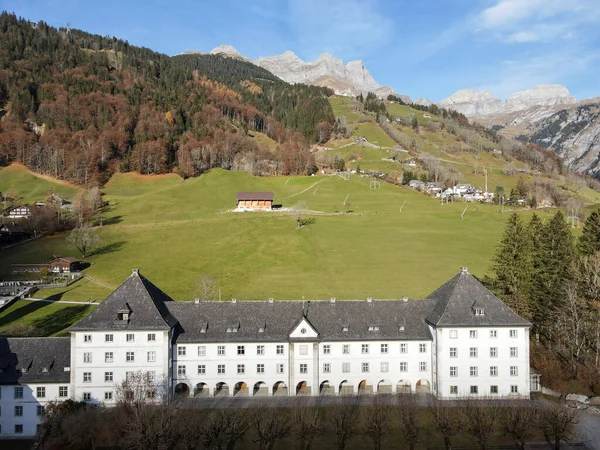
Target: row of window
{"x": 109, "y": 357}
{"x": 473, "y": 351}
{"x": 302, "y": 368}
{"x": 40, "y": 410}
{"x": 474, "y": 390}
{"x": 129, "y": 337}
{"x": 474, "y": 371}
{"x": 109, "y": 376}
{"x": 493, "y": 334}
{"x": 63, "y": 391}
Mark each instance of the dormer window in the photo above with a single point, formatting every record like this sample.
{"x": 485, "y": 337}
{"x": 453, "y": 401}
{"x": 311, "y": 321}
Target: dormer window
{"x": 261, "y": 329}
{"x": 479, "y": 312}
{"x": 44, "y": 370}
{"x": 24, "y": 370}
{"x": 373, "y": 328}
{"x": 345, "y": 328}
{"x": 123, "y": 314}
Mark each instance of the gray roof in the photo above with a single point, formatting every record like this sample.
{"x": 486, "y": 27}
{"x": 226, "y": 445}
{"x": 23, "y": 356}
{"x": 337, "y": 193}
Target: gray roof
{"x": 280, "y": 317}
{"x": 138, "y": 296}
{"x": 245, "y": 195}
{"x": 456, "y": 299}
{"x": 44, "y": 360}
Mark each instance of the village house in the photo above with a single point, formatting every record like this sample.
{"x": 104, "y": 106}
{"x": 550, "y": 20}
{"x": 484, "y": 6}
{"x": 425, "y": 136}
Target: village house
{"x": 19, "y": 212}
{"x": 410, "y": 163}
{"x": 462, "y": 189}
{"x": 254, "y": 201}
{"x": 58, "y": 264}
{"x": 11, "y": 233}
{"x": 460, "y": 341}
{"x": 417, "y": 184}
{"x": 433, "y": 188}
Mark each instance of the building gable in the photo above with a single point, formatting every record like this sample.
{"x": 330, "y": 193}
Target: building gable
{"x": 304, "y": 330}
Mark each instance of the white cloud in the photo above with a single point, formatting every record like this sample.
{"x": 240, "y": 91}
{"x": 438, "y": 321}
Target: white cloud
{"x": 346, "y": 28}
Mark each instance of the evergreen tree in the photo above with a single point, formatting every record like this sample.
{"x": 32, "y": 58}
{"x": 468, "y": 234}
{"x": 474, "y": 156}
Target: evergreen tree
{"x": 512, "y": 266}
{"x": 589, "y": 241}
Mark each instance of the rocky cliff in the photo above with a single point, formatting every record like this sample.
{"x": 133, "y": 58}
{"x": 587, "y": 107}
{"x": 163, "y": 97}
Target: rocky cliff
{"x": 473, "y": 103}
{"x": 345, "y": 79}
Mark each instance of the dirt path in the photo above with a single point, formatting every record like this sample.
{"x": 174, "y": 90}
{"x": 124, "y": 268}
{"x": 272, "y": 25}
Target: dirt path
{"x": 43, "y": 177}
{"x": 99, "y": 283}
{"x": 307, "y": 189}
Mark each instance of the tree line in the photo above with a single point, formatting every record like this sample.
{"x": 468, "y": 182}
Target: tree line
{"x": 547, "y": 276}
{"x": 81, "y": 107}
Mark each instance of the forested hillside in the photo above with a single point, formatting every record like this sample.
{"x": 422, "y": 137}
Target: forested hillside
{"x": 81, "y": 106}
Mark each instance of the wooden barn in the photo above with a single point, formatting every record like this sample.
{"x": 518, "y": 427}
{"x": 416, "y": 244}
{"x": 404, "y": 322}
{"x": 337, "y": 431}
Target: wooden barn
{"x": 259, "y": 201}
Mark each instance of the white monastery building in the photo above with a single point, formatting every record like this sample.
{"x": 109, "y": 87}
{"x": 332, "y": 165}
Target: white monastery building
{"x": 459, "y": 341}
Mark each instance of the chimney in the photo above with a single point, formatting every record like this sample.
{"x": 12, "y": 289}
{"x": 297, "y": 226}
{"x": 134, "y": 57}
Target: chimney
{"x": 271, "y": 299}
{"x": 234, "y": 300}
{"x": 135, "y": 272}
{"x": 197, "y": 301}
{"x": 464, "y": 270}
{"x": 405, "y": 299}
{"x": 332, "y": 299}
{"x": 369, "y": 299}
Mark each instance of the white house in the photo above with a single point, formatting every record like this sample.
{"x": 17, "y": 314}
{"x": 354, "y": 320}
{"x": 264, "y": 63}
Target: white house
{"x": 462, "y": 189}
{"x": 460, "y": 340}
{"x": 19, "y": 212}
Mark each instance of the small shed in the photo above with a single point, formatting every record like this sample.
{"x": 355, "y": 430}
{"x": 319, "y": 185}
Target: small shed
{"x": 62, "y": 264}
{"x": 254, "y": 200}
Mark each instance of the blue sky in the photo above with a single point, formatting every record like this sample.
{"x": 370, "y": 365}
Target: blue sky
{"x": 422, "y": 48}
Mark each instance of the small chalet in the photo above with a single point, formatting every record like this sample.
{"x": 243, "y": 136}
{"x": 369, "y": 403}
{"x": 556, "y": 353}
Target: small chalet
{"x": 11, "y": 234}
{"x": 58, "y": 264}
{"x": 254, "y": 201}
{"x": 545, "y": 203}
{"x": 20, "y": 212}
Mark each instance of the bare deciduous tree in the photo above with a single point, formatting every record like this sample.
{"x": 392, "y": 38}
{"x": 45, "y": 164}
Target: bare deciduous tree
{"x": 480, "y": 418}
{"x": 307, "y": 423}
{"x": 84, "y": 238}
{"x": 517, "y": 418}
{"x": 558, "y": 423}
{"x": 299, "y": 212}
{"x": 446, "y": 420}
{"x": 344, "y": 420}
{"x": 270, "y": 425}
{"x": 377, "y": 420}
{"x": 206, "y": 287}
{"x": 409, "y": 412}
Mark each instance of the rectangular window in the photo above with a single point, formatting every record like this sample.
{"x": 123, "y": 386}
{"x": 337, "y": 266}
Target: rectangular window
{"x": 40, "y": 392}
{"x": 493, "y": 334}
{"x": 303, "y": 368}
{"x": 180, "y": 350}
{"x": 151, "y": 356}
{"x": 221, "y": 350}
{"x": 241, "y": 350}
{"x": 493, "y": 389}
{"x": 130, "y": 357}
{"x": 453, "y": 390}
{"x": 346, "y": 349}
{"x": 493, "y": 352}
{"x": 151, "y": 338}
{"x": 201, "y": 369}
{"x": 108, "y": 377}
{"x": 346, "y": 367}
{"x": 221, "y": 369}
{"x": 453, "y": 371}
{"x": 473, "y": 334}
{"x": 280, "y": 349}
{"x": 453, "y": 352}
{"x": 241, "y": 369}
{"x": 87, "y": 396}
{"x": 87, "y": 377}
{"x": 18, "y": 391}
{"x": 473, "y": 352}
{"x": 384, "y": 348}
{"x": 40, "y": 410}
{"x": 151, "y": 375}
{"x": 202, "y": 350}
{"x": 130, "y": 337}
{"x": 63, "y": 391}
{"x": 514, "y": 371}
{"x": 422, "y": 348}
{"x": 514, "y": 389}
{"x": 403, "y": 348}
{"x": 260, "y": 349}
{"x": 304, "y": 349}
{"x": 473, "y": 371}
{"x": 108, "y": 357}
{"x": 279, "y": 368}
{"x": 18, "y": 411}
{"x": 108, "y": 338}
{"x": 87, "y": 357}
{"x": 181, "y": 370}
{"x": 403, "y": 366}
{"x": 129, "y": 376}
{"x": 87, "y": 338}
{"x": 326, "y": 349}
{"x": 453, "y": 334}
{"x": 514, "y": 352}
{"x": 326, "y": 368}
{"x": 512, "y": 333}
{"x": 422, "y": 366}
{"x": 18, "y": 428}
{"x": 365, "y": 367}
{"x": 364, "y": 349}
{"x": 474, "y": 390}
{"x": 108, "y": 396}
{"x": 493, "y": 371}
{"x": 385, "y": 367}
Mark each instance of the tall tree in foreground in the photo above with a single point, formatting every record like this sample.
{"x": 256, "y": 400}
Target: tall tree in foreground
{"x": 512, "y": 266}
{"x": 446, "y": 420}
{"x": 409, "y": 412}
{"x": 307, "y": 423}
{"x": 558, "y": 423}
{"x": 344, "y": 420}
{"x": 270, "y": 425}
{"x": 589, "y": 241}
{"x": 479, "y": 418}
{"x": 377, "y": 420}
{"x": 517, "y": 419}
{"x": 84, "y": 238}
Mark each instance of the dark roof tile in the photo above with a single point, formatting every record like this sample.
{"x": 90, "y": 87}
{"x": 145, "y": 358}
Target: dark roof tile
{"x": 43, "y": 358}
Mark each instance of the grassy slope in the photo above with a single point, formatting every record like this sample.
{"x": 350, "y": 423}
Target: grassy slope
{"x": 30, "y": 187}
{"x": 174, "y": 230}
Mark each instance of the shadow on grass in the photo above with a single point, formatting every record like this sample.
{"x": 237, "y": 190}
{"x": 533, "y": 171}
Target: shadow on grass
{"x": 21, "y": 312}
{"x": 112, "y": 247}
{"x": 57, "y": 296}
{"x": 112, "y": 220}
{"x": 59, "y": 320}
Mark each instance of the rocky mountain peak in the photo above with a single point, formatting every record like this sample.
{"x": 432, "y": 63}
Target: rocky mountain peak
{"x": 471, "y": 102}
{"x": 225, "y": 50}
{"x": 541, "y": 95}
